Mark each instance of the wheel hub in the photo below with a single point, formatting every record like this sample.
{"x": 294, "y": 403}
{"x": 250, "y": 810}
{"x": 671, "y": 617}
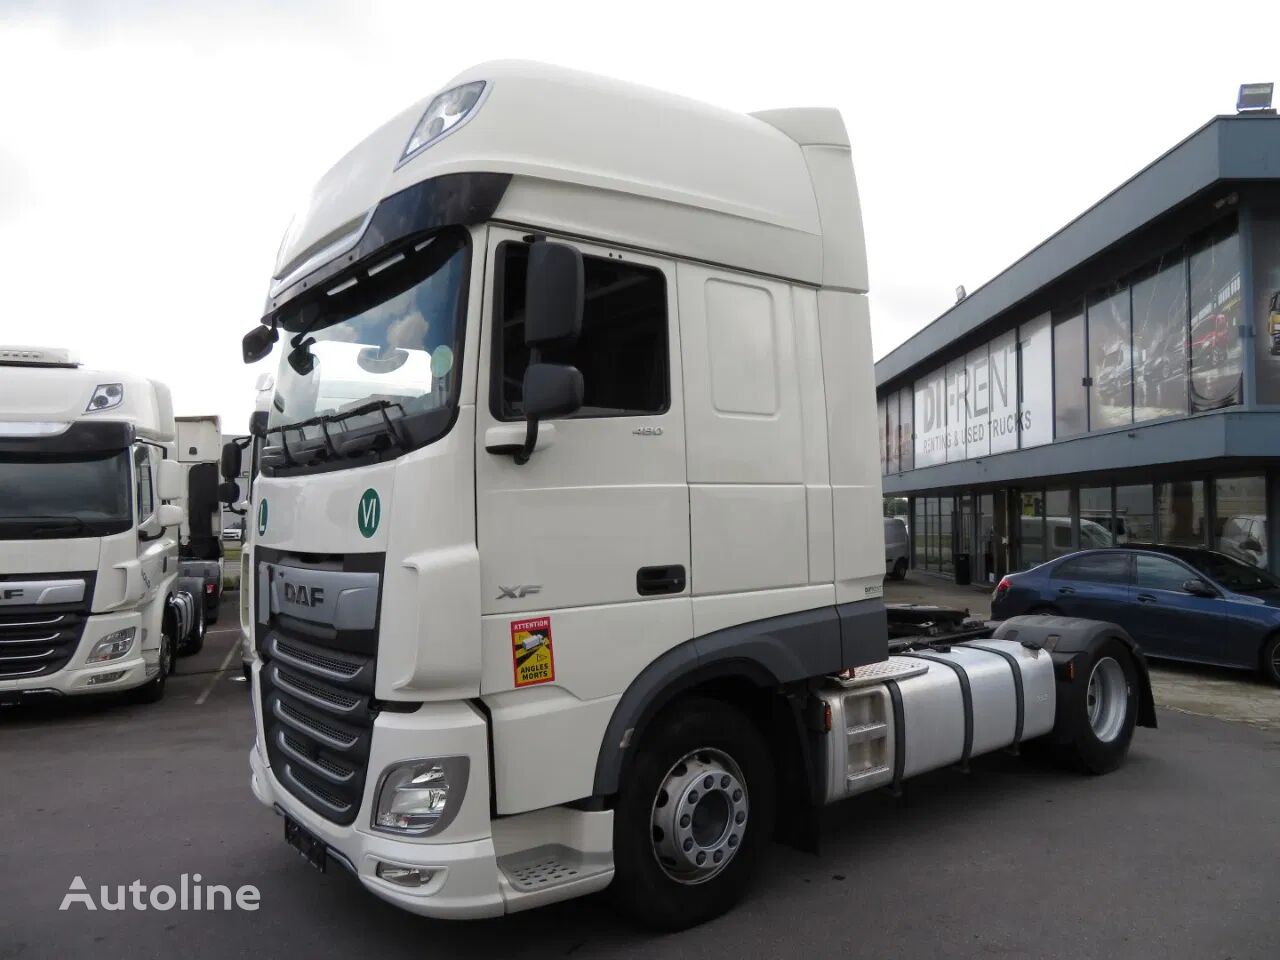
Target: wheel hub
{"x": 1107, "y": 699}
{"x": 699, "y": 816}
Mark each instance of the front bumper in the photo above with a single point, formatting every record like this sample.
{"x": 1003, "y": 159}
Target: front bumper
{"x": 76, "y": 678}
{"x": 465, "y": 875}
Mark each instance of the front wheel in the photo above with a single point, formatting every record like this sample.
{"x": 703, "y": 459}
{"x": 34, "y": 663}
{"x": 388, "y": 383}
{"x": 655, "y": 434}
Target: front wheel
{"x": 1107, "y": 713}
{"x": 153, "y": 690}
{"x": 693, "y": 815}
{"x": 899, "y": 569}
{"x": 1270, "y": 664}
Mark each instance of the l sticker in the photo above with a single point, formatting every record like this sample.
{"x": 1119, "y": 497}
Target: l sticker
{"x": 370, "y": 513}
{"x": 262, "y": 517}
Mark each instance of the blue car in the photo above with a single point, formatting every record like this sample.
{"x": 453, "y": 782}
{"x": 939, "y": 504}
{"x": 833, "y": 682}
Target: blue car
{"x": 1182, "y": 603}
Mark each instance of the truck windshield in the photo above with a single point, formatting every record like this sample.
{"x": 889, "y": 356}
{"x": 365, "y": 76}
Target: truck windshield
{"x": 375, "y": 358}
{"x": 54, "y": 498}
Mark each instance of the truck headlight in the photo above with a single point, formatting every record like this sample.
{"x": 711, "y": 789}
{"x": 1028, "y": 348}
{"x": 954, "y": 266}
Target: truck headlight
{"x": 113, "y": 646}
{"x": 420, "y": 797}
{"x": 444, "y": 113}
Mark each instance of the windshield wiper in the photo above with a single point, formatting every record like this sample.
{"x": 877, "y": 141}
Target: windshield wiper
{"x": 323, "y": 421}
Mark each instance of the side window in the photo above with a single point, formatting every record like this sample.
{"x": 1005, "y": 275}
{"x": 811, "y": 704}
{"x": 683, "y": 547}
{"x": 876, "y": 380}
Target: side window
{"x": 1159, "y": 573}
{"x": 1110, "y": 568}
{"x": 145, "y": 488}
{"x": 622, "y": 350}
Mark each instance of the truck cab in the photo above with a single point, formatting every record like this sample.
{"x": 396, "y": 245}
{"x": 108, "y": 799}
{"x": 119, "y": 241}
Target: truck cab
{"x": 568, "y": 502}
{"x": 89, "y": 513}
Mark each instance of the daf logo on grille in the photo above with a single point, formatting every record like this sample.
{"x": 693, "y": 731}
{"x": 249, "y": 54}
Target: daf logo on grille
{"x": 303, "y": 595}
{"x": 12, "y": 593}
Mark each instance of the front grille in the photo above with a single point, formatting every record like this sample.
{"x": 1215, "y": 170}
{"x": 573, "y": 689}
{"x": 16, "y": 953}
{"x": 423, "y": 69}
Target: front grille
{"x": 317, "y": 685}
{"x": 39, "y": 639}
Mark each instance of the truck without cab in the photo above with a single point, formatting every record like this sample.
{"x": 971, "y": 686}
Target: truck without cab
{"x": 567, "y": 535}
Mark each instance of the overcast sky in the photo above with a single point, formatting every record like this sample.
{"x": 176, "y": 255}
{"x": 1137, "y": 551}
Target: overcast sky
{"x": 152, "y": 153}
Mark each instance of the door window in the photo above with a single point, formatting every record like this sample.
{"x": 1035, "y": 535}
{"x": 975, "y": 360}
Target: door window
{"x": 621, "y": 352}
{"x": 1160, "y": 573}
{"x": 1109, "y": 568}
{"x": 145, "y": 488}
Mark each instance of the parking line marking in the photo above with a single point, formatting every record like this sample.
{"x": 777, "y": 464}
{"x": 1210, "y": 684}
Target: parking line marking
{"x": 213, "y": 680}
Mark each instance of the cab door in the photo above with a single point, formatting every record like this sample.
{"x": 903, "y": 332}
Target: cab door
{"x": 585, "y": 548}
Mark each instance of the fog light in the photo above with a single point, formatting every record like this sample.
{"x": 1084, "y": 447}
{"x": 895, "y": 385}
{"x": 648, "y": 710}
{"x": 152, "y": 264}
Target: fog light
{"x": 421, "y": 796}
{"x": 112, "y": 647}
{"x": 111, "y": 677}
{"x": 404, "y": 876}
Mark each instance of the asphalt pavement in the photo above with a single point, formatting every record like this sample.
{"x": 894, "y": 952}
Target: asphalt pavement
{"x": 1175, "y": 855}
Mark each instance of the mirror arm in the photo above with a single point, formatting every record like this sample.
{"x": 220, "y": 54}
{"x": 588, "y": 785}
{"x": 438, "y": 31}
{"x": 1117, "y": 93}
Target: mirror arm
{"x": 522, "y": 455}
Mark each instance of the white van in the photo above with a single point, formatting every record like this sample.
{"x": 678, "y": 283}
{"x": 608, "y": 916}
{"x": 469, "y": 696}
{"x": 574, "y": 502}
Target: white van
{"x": 897, "y": 548}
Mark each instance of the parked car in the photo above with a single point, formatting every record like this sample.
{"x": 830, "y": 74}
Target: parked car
{"x": 897, "y": 548}
{"x": 1181, "y": 603}
{"x": 1245, "y": 538}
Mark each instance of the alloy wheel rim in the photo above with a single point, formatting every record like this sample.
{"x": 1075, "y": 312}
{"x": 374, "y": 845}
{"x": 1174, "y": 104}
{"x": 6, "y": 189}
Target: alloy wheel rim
{"x": 1107, "y": 699}
{"x": 699, "y": 816}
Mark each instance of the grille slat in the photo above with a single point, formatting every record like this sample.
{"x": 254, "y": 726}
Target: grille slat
{"x": 316, "y": 693}
{"x": 40, "y": 639}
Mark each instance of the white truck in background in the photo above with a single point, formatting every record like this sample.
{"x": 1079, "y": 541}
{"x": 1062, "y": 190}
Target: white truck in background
{"x": 199, "y": 450}
{"x": 90, "y": 494}
{"x": 568, "y": 545}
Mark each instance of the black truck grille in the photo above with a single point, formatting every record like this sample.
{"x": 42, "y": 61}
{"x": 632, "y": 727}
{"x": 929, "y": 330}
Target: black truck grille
{"x": 317, "y": 718}
{"x": 37, "y": 640}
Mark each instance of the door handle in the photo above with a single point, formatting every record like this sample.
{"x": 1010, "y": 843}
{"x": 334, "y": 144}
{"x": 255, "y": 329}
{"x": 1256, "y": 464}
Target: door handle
{"x": 1145, "y": 598}
{"x": 651, "y": 581}
{"x": 1066, "y": 591}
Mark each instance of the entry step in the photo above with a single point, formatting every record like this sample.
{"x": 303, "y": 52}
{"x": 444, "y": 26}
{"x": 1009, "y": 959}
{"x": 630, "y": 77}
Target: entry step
{"x": 895, "y": 668}
{"x": 549, "y": 866}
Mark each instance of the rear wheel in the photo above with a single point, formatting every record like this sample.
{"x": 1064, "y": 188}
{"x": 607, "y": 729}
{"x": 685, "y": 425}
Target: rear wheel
{"x": 899, "y": 569}
{"x": 195, "y": 641}
{"x": 693, "y": 814}
{"x": 1106, "y": 714}
{"x": 1270, "y": 664}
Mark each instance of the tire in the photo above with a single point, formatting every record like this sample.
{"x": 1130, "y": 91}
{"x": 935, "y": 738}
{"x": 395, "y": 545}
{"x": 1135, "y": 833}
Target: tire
{"x": 1270, "y": 661}
{"x": 212, "y": 618}
{"x": 696, "y": 742}
{"x": 153, "y": 690}
{"x": 195, "y": 640}
{"x": 1043, "y": 610}
{"x": 1105, "y": 712}
{"x": 899, "y": 569}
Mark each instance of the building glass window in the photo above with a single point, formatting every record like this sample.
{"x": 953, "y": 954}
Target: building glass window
{"x": 986, "y": 536}
{"x": 1135, "y": 514}
{"x": 1265, "y": 241}
{"x": 1180, "y": 509}
{"x": 1217, "y": 310}
{"x": 906, "y": 430}
{"x": 946, "y": 529}
{"x": 1110, "y": 361}
{"x": 977, "y": 403}
{"x": 1160, "y": 341}
{"x": 1096, "y": 520}
{"x": 917, "y": 532}
{"x": 1035, "y": 382}
{"x": 1240, "y": 508}
{"x": 956, "y": 422}
{"x": 891, "y": 425}
{"x": 1031, "y": 530}
{"x": 1070, "y": 410}
{"x": 1002, "y": 392}
{"x": 1059, "y": 537}
{"x": 881, "y": 413}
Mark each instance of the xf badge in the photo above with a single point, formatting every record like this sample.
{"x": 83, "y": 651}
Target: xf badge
{"x": 518, "y": 591}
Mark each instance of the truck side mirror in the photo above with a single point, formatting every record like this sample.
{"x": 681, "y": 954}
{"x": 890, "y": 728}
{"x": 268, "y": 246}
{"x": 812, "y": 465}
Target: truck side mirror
{"x": 551, "y": 390}
{"x": 258, "y": 423}
{"x": 169, "y": 515}
{"x": 554, "y": 294}
{"x": 169, "y": 480}
{"x": 229, "y": 492}
{"x": 257, "y": 343}
{"x": 230, "y": 460}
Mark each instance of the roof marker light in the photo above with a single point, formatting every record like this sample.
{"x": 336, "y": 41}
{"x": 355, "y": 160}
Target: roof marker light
{"x": 444, "y": 114}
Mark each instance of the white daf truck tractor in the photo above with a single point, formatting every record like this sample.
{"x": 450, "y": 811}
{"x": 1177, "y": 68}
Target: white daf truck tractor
{"x": 568, "y": 538}
{"x": 89, "y": 515}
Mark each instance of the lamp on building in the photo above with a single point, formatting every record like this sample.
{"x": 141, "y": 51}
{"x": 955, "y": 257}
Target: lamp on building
{"x": 960, "y": 293}
{"x": 1255, "y": 98}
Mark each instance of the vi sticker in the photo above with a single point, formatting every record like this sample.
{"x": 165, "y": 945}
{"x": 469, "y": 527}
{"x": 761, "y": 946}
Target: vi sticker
{"x": 532, "y": 656}
{"x": 369, "y": 513}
